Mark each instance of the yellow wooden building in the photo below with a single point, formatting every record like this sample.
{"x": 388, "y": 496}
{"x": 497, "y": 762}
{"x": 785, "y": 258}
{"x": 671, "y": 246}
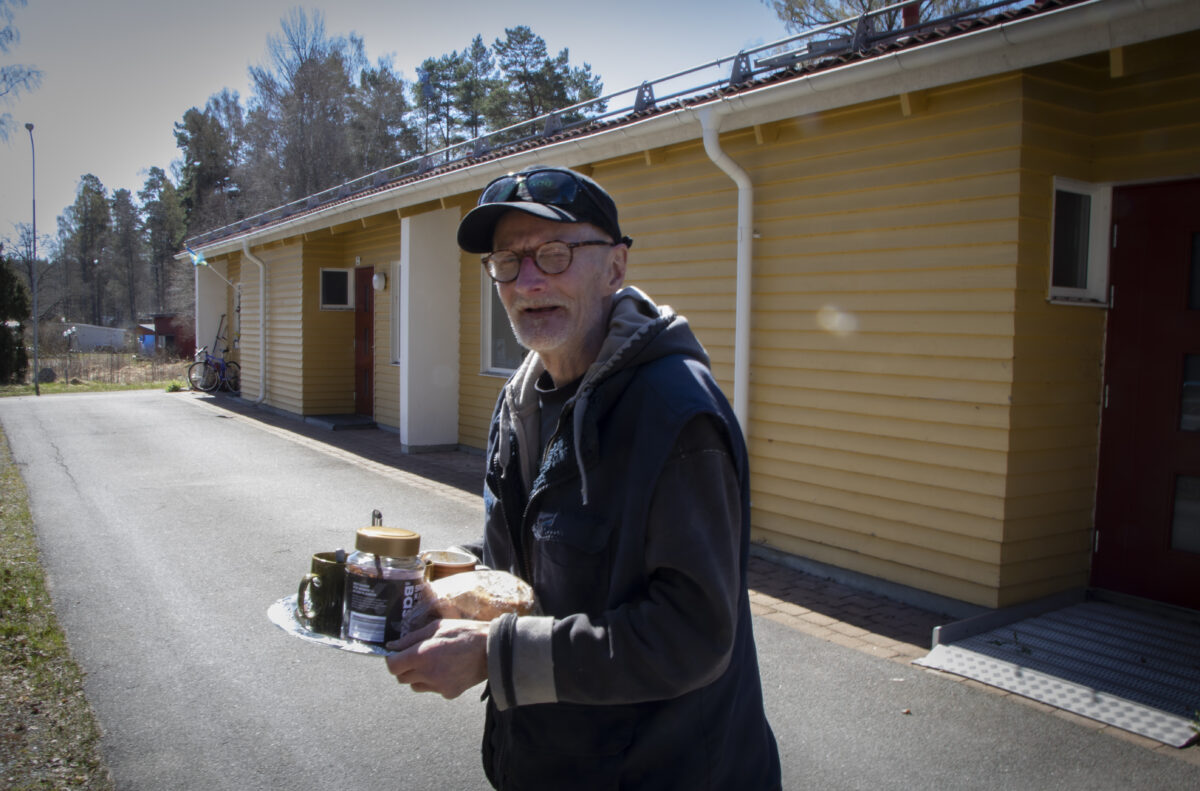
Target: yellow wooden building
{"x": 908, "y": 266}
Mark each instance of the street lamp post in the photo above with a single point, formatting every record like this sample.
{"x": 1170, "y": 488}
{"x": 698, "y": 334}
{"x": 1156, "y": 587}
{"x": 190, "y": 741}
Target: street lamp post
{"x": 33, "y": 279}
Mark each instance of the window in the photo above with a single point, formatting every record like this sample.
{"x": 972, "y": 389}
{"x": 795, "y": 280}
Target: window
{"x": 336, "y": 293}
{"x": 500, "y": 351}
{"x": 1079, "y": 243}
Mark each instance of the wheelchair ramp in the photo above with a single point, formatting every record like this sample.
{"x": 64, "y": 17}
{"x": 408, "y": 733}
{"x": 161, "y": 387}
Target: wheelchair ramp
{"x": 1136, "y": 670}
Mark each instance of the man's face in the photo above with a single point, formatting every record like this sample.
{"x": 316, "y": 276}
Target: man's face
{"x": 562, "y": 317}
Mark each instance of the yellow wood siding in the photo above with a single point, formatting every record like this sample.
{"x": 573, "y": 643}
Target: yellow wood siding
{"x": 284, "y": 330}
{"x": 248, "y": 340}
{"x": 328, "y": 356}
{"x": 477, "y": 392}
{"x": 883, "y": 309}
{"x": 378, "y": 246}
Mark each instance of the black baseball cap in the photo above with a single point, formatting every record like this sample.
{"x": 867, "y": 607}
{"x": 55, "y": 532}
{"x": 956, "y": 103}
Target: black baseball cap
{"x": 552, "y": 193}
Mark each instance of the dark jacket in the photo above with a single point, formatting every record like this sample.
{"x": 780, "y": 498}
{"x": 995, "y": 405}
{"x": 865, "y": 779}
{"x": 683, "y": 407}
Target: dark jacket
{"x": 633, "y": 528}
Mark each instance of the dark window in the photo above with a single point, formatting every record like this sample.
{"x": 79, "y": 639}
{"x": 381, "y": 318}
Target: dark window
{"x": 335, "y": 289}
{"x": 504, "y": 353}
{"x": 1185, "y": 527}
{"x": 1072, "y": 226}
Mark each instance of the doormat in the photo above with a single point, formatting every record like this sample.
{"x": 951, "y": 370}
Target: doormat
{"x": 1136, "y": 670}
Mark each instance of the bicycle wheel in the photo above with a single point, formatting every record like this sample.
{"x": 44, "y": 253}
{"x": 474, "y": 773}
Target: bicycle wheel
{"x": 202, "y": 376}
{"x": 233, "y": 377}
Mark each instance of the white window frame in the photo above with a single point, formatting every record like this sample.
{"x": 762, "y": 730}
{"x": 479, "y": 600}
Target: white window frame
{"x": 349, "y": 304}
{"x": 1095, "y": 293}
{"x": 488, "y": 300}
{"x": 397, "y": 286}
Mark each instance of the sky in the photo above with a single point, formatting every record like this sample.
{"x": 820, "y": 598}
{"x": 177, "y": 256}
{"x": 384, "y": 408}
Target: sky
{"x": 118, "y": 74}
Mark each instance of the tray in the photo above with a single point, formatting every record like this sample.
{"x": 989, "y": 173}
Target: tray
{"x": 283, "y": 614}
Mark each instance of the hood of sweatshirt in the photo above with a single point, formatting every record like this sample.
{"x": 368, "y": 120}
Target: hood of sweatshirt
{"x": 639, "y": 331}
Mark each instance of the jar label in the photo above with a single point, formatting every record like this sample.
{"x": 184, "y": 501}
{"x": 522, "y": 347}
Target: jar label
{"x": 377, "y": 609}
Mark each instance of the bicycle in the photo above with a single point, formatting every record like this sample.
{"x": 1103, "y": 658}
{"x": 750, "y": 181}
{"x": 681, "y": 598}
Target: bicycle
{"x": 210, "y": 373}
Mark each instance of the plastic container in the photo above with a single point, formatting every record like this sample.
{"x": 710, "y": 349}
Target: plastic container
{"x": 385, "y": 579}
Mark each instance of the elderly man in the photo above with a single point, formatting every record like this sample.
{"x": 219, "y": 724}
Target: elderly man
{"x": 617, "y": 486}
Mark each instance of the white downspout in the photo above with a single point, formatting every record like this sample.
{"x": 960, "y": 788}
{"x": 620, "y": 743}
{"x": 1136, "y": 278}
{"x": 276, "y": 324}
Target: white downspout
{"x": 710, "y": 122}
{"x": 262, "y": 321}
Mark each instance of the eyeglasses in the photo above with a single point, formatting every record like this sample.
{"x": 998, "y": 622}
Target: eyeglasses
{"x": 553, "y": 258}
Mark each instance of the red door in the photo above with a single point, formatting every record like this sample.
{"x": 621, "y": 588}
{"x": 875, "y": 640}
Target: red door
{"x": 1148, "y": 498}
{"x": 364, "y": 342}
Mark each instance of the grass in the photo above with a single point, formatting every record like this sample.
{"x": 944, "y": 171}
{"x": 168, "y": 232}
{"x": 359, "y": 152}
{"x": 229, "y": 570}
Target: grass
{"x": 49, "y": 737}
{"x": 92, "y": 372}
{"x": 52, "y": 388}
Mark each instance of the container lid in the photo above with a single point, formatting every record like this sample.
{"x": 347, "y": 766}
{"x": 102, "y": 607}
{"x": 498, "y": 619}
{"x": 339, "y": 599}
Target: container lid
{"x": 392, "y": 542}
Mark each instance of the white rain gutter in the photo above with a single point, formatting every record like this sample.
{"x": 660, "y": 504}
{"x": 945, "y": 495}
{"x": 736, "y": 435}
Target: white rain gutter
{"x": 710, "y": 123}
{"x": 1072, "y": 31}
{"x": 262, "y": 320}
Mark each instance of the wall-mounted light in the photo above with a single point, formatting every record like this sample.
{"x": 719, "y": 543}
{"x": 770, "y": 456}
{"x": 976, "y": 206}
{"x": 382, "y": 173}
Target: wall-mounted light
{"x": 379, "y": 281}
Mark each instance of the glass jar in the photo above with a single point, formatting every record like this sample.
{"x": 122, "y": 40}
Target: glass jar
{"x": 385, "y": 578}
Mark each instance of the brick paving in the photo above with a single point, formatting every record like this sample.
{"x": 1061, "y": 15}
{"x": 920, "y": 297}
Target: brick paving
{"x": 839, "y": 613}
{"x": 822, "y": 608}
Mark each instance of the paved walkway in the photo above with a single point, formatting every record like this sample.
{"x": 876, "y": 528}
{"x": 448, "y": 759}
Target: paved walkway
{"x": 822, "y": 608}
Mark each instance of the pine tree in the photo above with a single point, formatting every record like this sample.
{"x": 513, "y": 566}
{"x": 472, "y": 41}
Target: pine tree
{"x": 14, "y": 307}
{"x": 380, "y": 132}
{"x": 433, "y": 96}
{"x": 474, "y": 82}
{"x": 127, "y": 257}
{"x": 163, "y": 227}
{"x": 83, "y": 231}
{"x": 535, "y": 83}
{"x": 207, "y": 167}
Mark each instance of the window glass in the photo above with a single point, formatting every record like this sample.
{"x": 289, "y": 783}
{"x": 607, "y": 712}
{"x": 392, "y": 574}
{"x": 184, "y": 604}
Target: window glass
{"x": 1185, "y": 527}
{"x": 1189, "y": 397}
{"x": 502, "y": 353}
{"x": 1072, "y": 226}
{"x": 335, "y": 289}
{"x": 1080, "y": 239}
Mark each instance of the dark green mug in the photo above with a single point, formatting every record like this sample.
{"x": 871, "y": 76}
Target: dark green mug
{"x": 319, "y": 598}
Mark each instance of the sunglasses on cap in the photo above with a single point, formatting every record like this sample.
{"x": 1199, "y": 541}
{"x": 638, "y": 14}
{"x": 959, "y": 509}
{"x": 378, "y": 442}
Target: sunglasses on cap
{"x": 561, "y": 188}
{"x": 554, "y": 187}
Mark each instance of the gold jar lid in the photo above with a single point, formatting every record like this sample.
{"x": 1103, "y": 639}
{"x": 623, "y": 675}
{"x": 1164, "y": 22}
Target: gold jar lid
{"x": 392, "y": 542}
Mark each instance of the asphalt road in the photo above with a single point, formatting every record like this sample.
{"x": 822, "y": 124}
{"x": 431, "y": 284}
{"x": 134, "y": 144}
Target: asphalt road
{"x": 167, "y": 527}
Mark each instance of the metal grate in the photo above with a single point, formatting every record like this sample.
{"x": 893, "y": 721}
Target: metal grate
{"x": 1136, "y": 670}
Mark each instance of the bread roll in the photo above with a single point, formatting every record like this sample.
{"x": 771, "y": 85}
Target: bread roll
{"x": 482, "y": 595}
{"x": 474, "y": 595}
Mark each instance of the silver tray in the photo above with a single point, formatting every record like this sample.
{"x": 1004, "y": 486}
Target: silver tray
{"x": 283, "y": 614}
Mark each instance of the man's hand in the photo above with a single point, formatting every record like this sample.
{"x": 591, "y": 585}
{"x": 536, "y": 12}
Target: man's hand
{"x": 447, "y": 656}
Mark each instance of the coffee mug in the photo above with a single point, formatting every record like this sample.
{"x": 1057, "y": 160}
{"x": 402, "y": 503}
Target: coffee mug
{"x": 319, "y": 598}
{"x": 444, "y": 562}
